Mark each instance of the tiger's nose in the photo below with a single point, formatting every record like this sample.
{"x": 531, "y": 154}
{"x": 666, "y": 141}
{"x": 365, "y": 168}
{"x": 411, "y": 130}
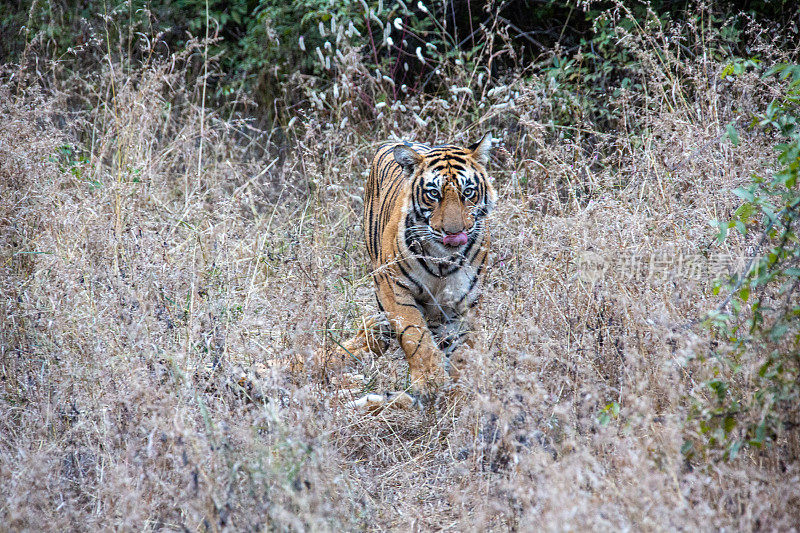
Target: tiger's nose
{"x": 457, "y": 224}
{"x": 453, "y": 228}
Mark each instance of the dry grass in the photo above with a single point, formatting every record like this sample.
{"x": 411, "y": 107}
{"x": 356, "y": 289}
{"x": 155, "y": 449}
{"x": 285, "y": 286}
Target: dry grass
{"x": 137, "y": 288}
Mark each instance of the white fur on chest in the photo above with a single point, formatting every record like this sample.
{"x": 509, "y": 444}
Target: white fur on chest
{"x": 449, "y": 290}
{"x": 446, "y": 298}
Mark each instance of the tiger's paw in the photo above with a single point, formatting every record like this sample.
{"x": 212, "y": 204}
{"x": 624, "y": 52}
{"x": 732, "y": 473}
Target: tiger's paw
{"x": 375, "y": 403}
{"x": 428, "y": 379}
{"x": 454, "y": 365}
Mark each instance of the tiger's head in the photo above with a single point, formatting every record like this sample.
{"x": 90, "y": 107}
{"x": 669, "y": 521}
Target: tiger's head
{"x": 450, "y": 192}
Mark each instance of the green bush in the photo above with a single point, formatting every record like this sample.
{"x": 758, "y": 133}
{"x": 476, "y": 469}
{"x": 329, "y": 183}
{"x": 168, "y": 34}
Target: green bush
{"x": 587, "y": 55}
{"x": 754, "y": 396}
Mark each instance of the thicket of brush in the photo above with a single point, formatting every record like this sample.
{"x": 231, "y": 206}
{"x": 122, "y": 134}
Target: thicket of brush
{"x": 167, "y": 258}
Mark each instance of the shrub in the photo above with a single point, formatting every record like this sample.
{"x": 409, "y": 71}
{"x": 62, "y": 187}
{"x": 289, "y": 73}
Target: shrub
{"x": 753, "y": 397}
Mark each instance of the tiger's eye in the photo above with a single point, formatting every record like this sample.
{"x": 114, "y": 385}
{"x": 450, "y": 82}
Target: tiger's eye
{"x": 469, "y": 192}
{"x": 432, "y": 194}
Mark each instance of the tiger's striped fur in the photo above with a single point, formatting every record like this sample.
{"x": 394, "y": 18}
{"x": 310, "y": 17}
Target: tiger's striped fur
{"x": 424, "y": 222}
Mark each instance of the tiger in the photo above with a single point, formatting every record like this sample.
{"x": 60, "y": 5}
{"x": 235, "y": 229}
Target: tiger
{"x": 425, "y": 212}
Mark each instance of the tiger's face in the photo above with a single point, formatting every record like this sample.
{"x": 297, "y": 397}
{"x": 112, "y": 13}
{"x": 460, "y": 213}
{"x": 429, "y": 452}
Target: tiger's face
{"x": 451, "y": 193}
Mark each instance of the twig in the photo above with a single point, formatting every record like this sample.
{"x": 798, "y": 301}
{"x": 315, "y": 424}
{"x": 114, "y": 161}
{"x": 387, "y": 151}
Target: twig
{"x": 203, "y": 100}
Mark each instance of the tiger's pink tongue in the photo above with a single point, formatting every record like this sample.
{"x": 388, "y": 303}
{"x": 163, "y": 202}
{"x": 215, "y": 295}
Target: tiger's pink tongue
{"x": 456, "y": 239}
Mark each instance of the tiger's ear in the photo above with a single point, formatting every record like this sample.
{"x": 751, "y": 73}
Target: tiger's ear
{"x": 407, "y": 158}
{"x": 481, "y": 149}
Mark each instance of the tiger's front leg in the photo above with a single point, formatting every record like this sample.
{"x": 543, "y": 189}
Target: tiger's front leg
{"x": 451, "y": 335}
{"x": 425, "y": 360}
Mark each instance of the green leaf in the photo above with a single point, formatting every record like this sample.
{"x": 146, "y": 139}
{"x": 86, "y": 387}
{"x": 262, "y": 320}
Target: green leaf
{"x": 731, "y": 133}
{"x": 719, "y": 387}
{"x": 729, "y": 424}
{"x": 745, "y": 211}
{"x": 744, "y": 194}
{"x": 734, "y": 448}
{"x": 760, "y": 434}
{"x": 723, "y": 230}
{"x": 778, "y": 331}
{"x": 744, "y": 293}
{"x": 687, "y": 447}
{"x": 762, "y": 370}
{"x": 727, "y": 71}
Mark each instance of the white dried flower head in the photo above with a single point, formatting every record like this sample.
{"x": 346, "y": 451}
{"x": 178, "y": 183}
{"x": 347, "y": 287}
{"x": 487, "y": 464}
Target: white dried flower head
{"x": 328, "y": 45}
{"x": 388, "y": 79}
{"x": 320, "y": 55}
{"x": 322, "y": 29}
{"x": 404, "y": 88}
{"x": 455, "y": 90}
{"x": 353, "y": 30}
{"x": 422, "y": 7}
{"x": 497, "y": 90}
{"x": 405, "y": 66}
{"x": 302, "y": 43}
{"x": 390, "y": 41}
{"x": 419, "y": 54}
{"x": 398, "y": 23}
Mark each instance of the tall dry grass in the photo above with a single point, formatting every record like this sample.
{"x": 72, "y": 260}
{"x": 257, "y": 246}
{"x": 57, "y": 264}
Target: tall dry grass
{"x": 147, "y": 292}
